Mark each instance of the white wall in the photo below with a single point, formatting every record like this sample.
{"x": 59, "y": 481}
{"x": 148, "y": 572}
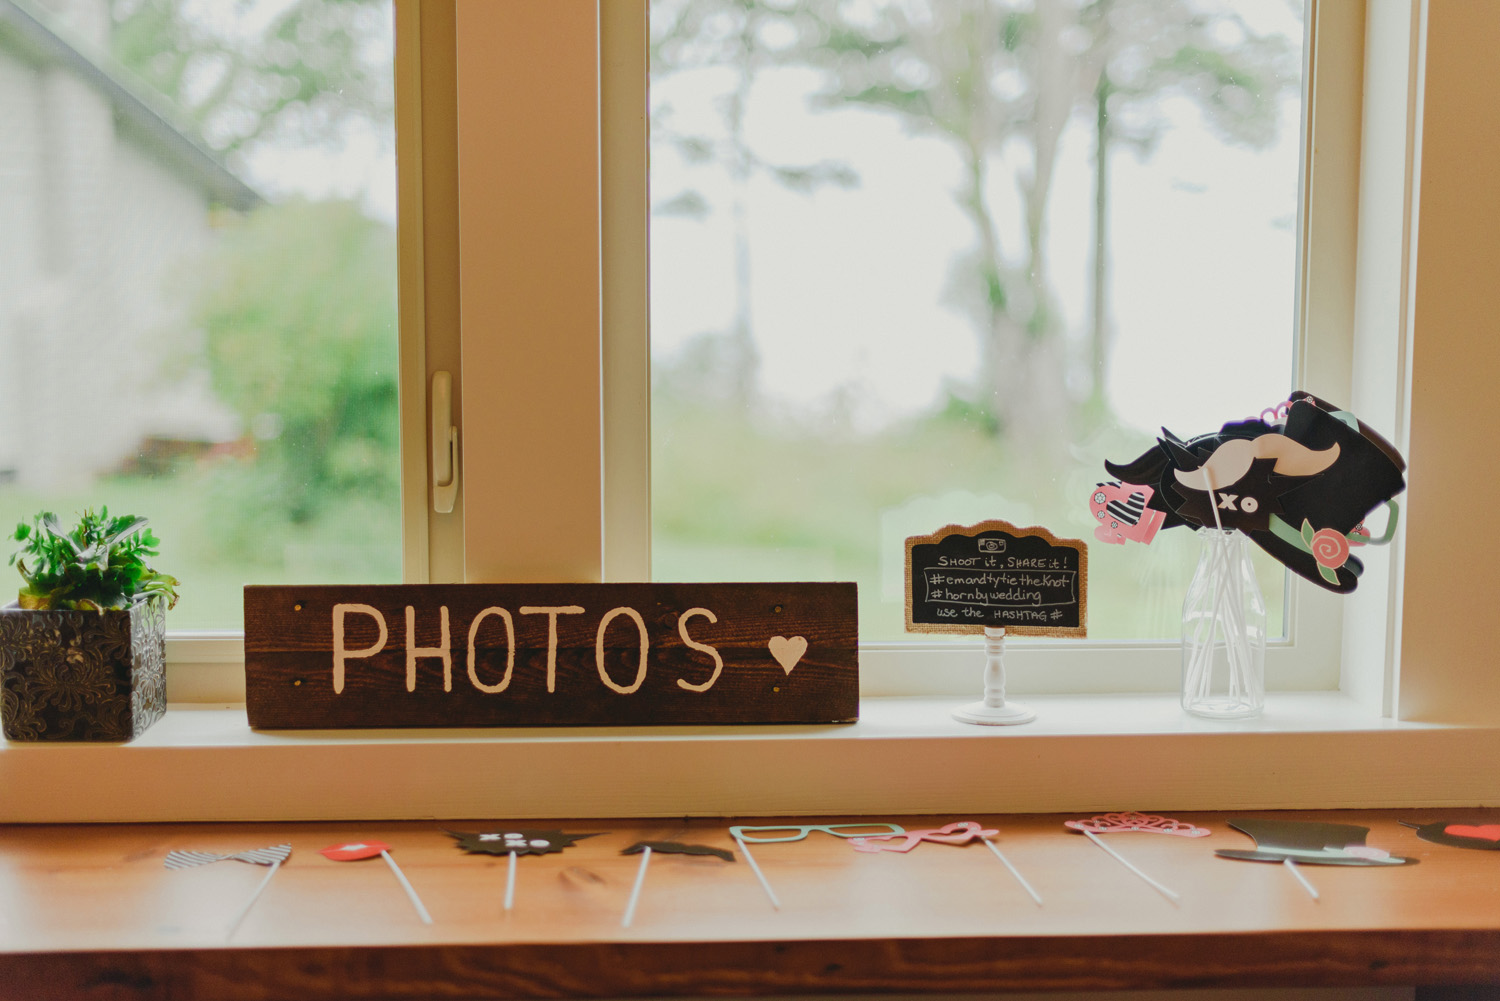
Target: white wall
{"x": 97, "y": 241}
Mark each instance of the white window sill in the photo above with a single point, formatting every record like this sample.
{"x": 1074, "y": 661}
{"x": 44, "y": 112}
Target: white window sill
{"x": 905, "y": 755}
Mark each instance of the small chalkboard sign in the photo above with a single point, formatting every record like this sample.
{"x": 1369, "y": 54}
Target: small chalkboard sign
{"x": 1026, "y": 580}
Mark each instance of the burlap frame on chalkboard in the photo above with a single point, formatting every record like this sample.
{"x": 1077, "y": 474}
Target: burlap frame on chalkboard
{"x": 1079, "y": 631}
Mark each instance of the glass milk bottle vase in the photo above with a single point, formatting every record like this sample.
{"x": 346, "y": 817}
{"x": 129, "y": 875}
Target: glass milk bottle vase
{"x": 1224, "y": 631}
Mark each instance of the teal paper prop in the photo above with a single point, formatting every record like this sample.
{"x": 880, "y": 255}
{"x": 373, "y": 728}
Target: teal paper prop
{"x": 777, "y": 833}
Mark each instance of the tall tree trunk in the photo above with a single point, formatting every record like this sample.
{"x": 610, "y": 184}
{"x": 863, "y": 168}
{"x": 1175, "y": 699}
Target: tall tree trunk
{"x": 1000, "y": 357}
{"x": 1042, "y": 417}
{"x": 743, "y": 356}
{"x": 1099, "y": 332}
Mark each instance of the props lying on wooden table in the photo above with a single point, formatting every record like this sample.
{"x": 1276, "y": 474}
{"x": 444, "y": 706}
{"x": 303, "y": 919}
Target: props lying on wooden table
{"x": 1299, "y": 489}
{"x": 272, "y": 856}
{"x": 644, "y": 850}
{"x": 1310, "y": 842}
{"x": 1456, "y": 834}
{"x": 1292, "y": 841}
{"x": 1150, "y": 823}
{"x": 961, "y": 832}
{"x": 515, "y": 841}
{"x": 1131, "y": 821}
{"x": 354, "y": 851}
{"x": 779, "y": 833}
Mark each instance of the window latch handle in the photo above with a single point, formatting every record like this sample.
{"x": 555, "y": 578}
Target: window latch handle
{"x": 444, "y": 444}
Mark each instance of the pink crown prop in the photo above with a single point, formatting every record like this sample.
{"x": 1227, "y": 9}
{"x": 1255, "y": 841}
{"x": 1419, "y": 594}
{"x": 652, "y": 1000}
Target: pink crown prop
{"x": 1116, "y": 823}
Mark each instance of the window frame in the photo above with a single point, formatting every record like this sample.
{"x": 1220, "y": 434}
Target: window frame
{"x": 1335, "y": 310}
{"x": 1309, "y": 657}
{"x": 1421, "y": 132}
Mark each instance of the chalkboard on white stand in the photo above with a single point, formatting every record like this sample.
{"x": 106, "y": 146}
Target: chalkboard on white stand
{"x": 992, "y": 579}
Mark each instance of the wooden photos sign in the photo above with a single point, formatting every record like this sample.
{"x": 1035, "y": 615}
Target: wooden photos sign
{"x": 960, "y": 580}
{"x": 550, "y": 654}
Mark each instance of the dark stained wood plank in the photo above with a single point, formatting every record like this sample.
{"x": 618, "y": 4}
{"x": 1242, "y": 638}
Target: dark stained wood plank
{"x": 763, "y": 969}
{"x": 550, "y": 654}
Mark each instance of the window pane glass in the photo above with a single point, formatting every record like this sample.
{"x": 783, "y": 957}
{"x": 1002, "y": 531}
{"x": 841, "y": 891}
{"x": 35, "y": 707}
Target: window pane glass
{"x": 197, "y": 284}
{"x": 877, "y": 306}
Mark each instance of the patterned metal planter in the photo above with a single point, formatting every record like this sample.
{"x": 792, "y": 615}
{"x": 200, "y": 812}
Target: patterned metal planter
{"x": 82, "y": 675}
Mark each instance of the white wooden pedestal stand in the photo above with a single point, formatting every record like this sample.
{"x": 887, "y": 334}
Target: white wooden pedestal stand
{"x": 994, "y": 710}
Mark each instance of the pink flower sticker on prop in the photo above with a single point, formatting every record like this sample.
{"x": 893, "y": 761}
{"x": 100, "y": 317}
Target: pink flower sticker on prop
{"x": 1116, "y": 823}
{"x": 959, "y": 833}
{"x": 1329, "y": 548}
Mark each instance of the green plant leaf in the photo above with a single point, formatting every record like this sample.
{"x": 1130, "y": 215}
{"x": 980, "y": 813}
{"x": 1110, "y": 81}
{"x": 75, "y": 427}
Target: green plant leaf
{"x": 100, "y": 564}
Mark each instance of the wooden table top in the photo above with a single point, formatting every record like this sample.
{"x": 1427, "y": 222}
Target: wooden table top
{"x": 93, "y": 909}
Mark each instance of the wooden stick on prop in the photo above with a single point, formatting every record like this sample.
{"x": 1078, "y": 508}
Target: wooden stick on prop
{"x": 645, "y": 848}
{"x": 781, "y": 833}
{"x": 1130, "y": 821}
{"x": 514, "y": 841}
{"x": 356, "y": 850}
{"x": 960, "y": 832}
{"x": 272, "y": 856}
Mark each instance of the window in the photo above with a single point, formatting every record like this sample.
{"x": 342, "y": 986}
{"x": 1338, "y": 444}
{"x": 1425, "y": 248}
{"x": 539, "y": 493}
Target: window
{"x": 517, "y": 492}
{"x": 887, "y": 298}
{"x": 1309, "y": 660}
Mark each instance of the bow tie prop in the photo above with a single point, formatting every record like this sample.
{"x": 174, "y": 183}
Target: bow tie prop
{"x": 1297, "y": 841}
{"x": 356, "y": 850}
{"x": 644, "y": 850}
{"x": 272, "y": 856}
{"x": 1118, "y": 823}
{"x": 515, "y": 841}
{"x": 963, "y": 832}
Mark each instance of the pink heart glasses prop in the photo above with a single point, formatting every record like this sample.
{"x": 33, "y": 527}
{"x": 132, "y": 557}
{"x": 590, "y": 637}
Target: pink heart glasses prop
{"x": 960, "y": 832}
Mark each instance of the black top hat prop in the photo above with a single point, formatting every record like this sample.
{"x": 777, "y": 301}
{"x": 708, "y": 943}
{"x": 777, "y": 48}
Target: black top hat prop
{"x": 1309, "y": 843}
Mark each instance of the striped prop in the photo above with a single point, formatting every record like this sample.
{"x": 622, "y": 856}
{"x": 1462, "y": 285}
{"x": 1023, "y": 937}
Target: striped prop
{"x": 274, "y": 855}
{"x": 1129, "y": 510}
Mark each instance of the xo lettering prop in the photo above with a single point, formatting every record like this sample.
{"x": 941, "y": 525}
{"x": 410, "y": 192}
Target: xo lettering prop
{"x": 438, "y": 655}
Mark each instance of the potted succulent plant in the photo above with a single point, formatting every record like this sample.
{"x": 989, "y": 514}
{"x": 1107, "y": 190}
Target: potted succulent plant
{"x": 83, "y": 649}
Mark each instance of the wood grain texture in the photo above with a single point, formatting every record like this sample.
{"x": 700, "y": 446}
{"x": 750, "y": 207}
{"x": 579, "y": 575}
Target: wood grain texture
{"x": 761, "y": 969}
{"x": 578, "y": 665}
{"x": 89, "y": 912}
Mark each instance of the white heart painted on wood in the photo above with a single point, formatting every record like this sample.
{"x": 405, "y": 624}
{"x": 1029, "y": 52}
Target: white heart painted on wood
{"x": 788, "y": 651}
